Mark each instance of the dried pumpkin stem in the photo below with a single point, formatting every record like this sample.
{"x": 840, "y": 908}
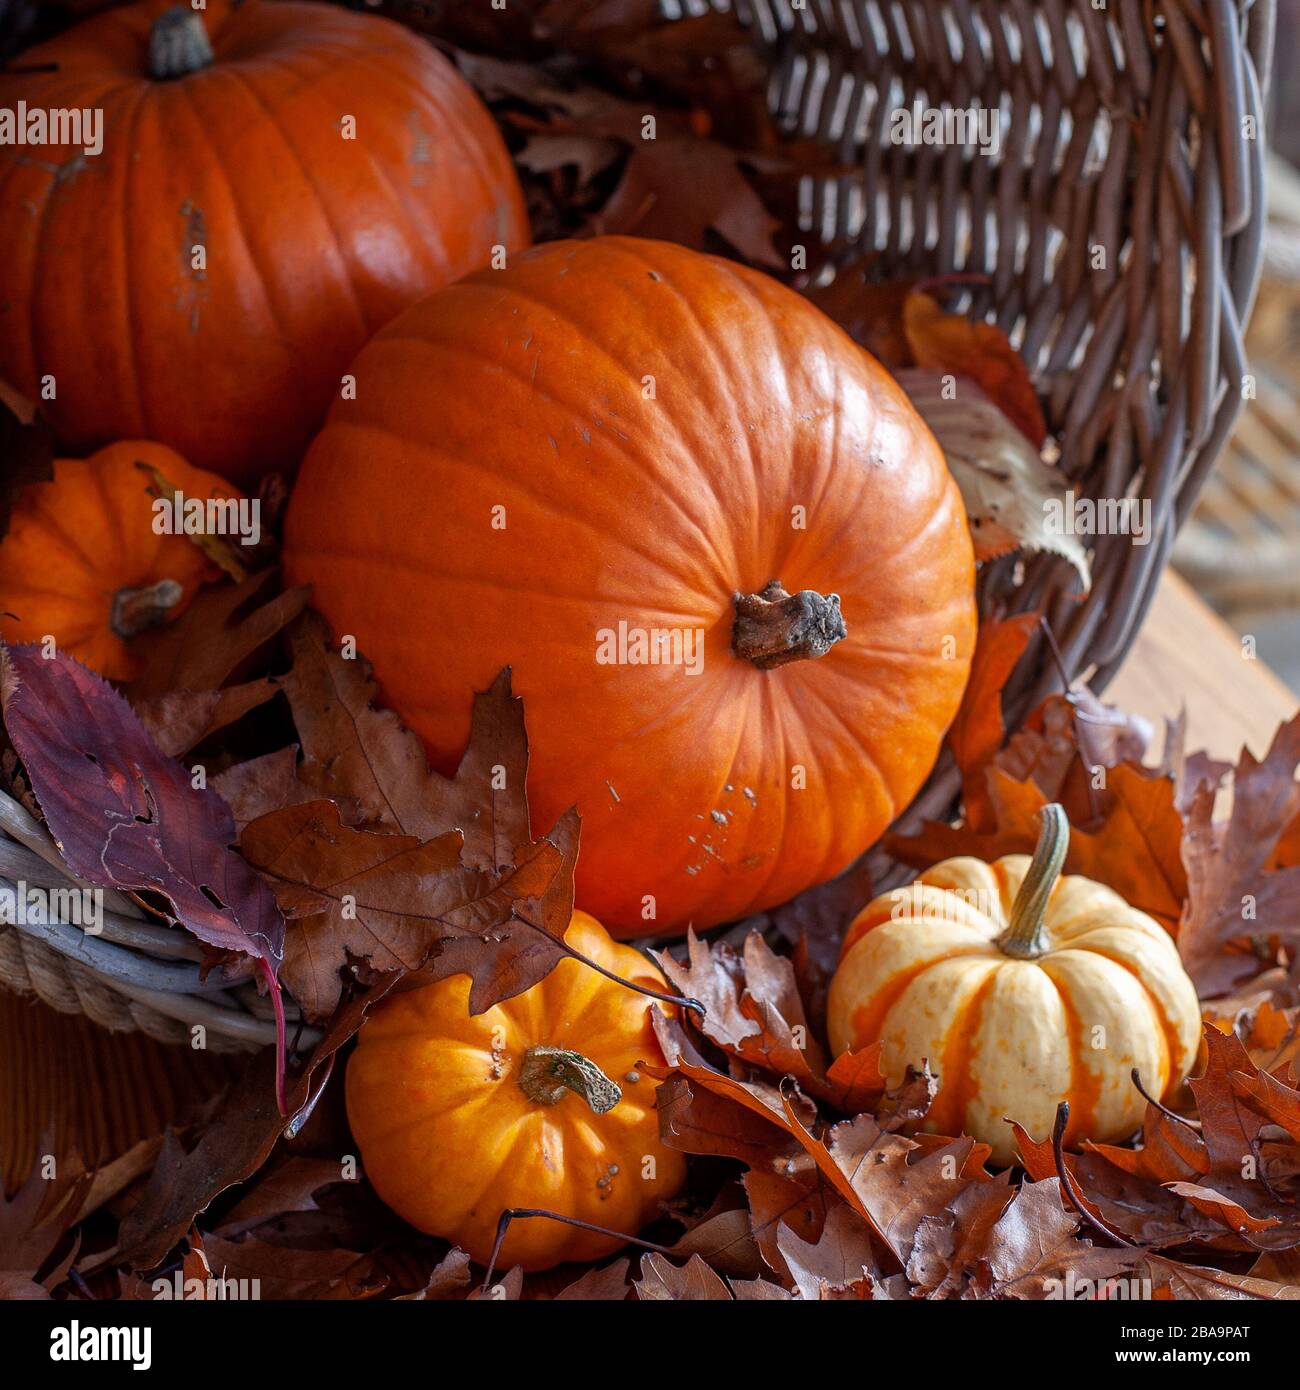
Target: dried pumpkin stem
{"x": 1024, "y": 936}
{"x": 546, "y": 1073}
{"x": 137, "y": 610}
{"x": 773, "y": 627}
{"x": 178, "y": 44}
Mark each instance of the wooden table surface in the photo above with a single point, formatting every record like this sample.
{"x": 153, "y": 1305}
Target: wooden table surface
{"x": 1187, "y": 655}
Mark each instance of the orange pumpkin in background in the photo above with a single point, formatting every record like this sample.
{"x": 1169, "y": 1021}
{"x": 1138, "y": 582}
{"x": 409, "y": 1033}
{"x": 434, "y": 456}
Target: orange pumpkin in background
{"x": 271, "y": 189}
{"x": 535, "y": 1103}
{"x": 83, "y": 564}
{"x": 591, "y": 466}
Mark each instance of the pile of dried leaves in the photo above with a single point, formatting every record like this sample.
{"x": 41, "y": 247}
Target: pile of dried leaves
{"x": 812, "y": 1177}
{"x": 247, "y": 789}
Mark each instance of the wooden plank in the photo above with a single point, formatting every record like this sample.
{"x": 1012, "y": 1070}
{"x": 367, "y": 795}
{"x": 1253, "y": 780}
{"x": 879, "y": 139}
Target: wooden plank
{"x": 1187, "y": 655}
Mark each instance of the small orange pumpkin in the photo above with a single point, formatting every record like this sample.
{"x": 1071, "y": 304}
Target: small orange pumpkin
{"x": 459, "y": 1118}
{"x": 1021, "y": 989}
{"x": 82, "y": 562}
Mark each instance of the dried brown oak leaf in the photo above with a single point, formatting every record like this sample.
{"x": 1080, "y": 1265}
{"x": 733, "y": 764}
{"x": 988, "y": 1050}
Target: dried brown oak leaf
{"x": 892, "y": 1182}
{"x": 754, "y": 1012}
{"x": 1134, "y": 847}
{"x": 662, "y": 1281}
{"x": 387, "y": 899}
{"x": 35, "y": 1222}
{"x": 449, "y": 879}
{"x": 235, "y": 1141}
{"x": 217, "y": 633}
{"x": 1238, "y": 905}
{"x": 841, "y": 1263}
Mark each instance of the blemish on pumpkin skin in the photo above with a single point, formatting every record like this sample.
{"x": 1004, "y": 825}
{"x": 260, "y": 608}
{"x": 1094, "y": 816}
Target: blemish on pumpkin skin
{"x": 194, "y": 281}
{"x": 63, "y": 173}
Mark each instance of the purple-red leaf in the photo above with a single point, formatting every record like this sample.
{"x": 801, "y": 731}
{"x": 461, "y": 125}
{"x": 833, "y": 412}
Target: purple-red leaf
{"x": 127, "y": 816}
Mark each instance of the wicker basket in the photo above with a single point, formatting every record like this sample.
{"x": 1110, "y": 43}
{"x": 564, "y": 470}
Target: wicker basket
{"x": 1123, "y": 128}
{"x": 132, "y": 973}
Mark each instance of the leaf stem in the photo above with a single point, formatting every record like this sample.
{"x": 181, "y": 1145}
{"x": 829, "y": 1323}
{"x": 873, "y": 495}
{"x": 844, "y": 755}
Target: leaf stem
{"x": 512, "y": 1213}
{"x": 678, "y": 1000}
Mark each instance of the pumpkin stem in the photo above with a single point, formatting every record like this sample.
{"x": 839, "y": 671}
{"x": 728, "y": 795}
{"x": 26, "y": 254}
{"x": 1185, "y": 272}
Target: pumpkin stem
{"x": 547, "y": 1072}
{"x": 773, "y": 627}
{"x": 178, "y": 44}
{"x": 137, "y": 610}
{"x": 1024, "y": 936}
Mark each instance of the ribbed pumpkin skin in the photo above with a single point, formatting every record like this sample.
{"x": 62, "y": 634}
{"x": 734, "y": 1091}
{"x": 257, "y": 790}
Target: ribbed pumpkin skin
{"x": 527, "y": 389}
{"x": 1012, "y": 1037}
{"x": 449, "y": 1140}
{"x": 312, "y": 241}
{"x": 76, "y": 540}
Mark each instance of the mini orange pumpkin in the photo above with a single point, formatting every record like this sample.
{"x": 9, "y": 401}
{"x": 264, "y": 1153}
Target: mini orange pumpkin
{"x": 1021, "y": 989}
{"x": 459, "y": 1118}
{"x": 82, "y": 562}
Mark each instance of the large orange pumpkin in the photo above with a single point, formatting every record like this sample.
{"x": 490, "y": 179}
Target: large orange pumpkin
{"x": 84, "y": 563}
{"x": 591, "y": 466}
{"x": 535, "y": 1103}
{"x": 205, "y": 278}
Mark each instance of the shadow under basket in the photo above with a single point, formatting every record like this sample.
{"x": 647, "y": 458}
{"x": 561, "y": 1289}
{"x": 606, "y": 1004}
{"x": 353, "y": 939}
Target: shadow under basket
{"x": 1119, "y": 225}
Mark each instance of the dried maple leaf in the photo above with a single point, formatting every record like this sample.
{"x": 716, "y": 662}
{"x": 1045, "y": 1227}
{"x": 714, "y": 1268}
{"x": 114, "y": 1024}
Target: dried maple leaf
{"x": 1013, "y": 499}
{"x": 953, "y": 343}
{"x": 1233, "y": 895}
{"x": 681, "y": 189}
{"x": 1134, "y": 849}
{"x": 451, "y": 884}
{"x": 979, "y": 731}
{"x": 350, "y": 748}
{"x": 390, "y": 900}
